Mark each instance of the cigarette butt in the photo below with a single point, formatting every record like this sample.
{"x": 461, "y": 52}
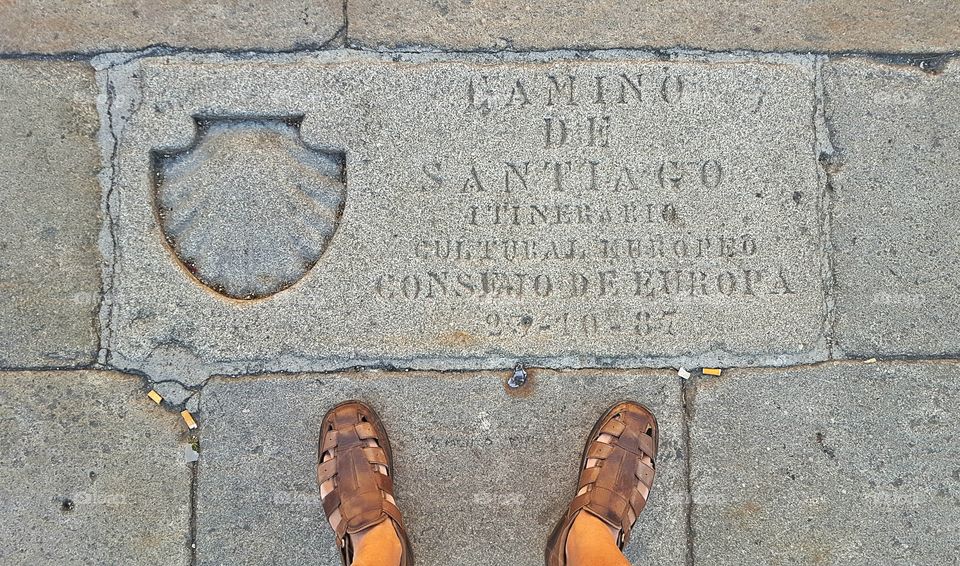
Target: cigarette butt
{"x": 711, "y": 371}
{"x": 154, "y": 396}
{"x": 870, "y": 361}
{"x": 683, "y": 373}
{"x": 188, "y": 418}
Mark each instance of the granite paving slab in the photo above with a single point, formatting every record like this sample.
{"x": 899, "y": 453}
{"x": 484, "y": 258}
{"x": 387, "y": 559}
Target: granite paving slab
{"x": 884, "y": 26}
{"x": 92, "y": 472}
{"x": 343, "y": 209}
{"x": 482, "y": 476}
{"x": 49, "y": 214}
{"x": 96, "y": 26}
{"x": 896, "y": 185}
{"x": 838, "y": 463}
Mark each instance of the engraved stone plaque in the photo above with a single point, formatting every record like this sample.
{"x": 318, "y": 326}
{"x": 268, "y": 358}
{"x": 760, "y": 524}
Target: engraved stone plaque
{"x": 573, "y": 213}
{"x": 248, "y": 209}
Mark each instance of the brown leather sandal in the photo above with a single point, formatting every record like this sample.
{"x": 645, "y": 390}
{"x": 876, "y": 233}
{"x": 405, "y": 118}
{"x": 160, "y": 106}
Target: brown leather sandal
{"x": 616, "y": 489}
{"x": 354, "y": 455}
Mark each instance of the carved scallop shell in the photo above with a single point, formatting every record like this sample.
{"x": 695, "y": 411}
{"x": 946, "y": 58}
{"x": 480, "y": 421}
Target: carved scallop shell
{"x": 248, "y": 208}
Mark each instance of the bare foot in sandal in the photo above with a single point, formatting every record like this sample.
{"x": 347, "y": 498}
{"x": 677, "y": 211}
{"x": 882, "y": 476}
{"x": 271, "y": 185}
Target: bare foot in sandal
{"x": 355, "y": 473}
{"x": 616, "y": 475}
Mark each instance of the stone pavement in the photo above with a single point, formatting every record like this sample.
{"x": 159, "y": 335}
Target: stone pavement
{"x": 257, "y": 210}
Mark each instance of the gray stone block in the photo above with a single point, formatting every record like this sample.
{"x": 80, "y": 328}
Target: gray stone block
{"x": 92, "y": 472}
{"x": 482, "y": 476}
{"x": 896, "y": 185}
{"x": 50, "y": 26}
{"x": 49, "y": 214}
{"x": 839, "y": 463}
{"x": 767, "y": 25}
{"x": 573, "y": 212}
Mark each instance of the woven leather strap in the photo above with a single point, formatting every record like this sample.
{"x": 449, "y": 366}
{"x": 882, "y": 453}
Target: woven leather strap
{"x": 361, "y": 496}
{"x": 617, "y": 487}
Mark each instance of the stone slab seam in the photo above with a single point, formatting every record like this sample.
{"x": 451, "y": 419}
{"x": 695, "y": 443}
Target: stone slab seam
{"x": 826, "y": 155}
{"x": 112, "y": 78}
{"x": 193, "y": 393}
{"x": 337, "y": 41}
{"x": 107, "y": 240}
{"x": 688, "y": 395}
{"x": 930, "y": 62}
{"x": 373, "y": 373}
{"x": 694, "y": 382}
{"x": 688, "y": 388}
{"x": 194, "y": 489}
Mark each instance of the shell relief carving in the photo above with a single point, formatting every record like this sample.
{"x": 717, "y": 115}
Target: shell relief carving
{"x": 248, "y": 209}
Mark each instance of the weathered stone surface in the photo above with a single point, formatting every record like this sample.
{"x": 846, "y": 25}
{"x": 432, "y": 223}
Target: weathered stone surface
{"x": 482, "y": 477}
{"x": 767, "y": 25}
{"x": 241, "y": 247}
{"x": 896, "y": 188}
{"x": 92, "y": 472}
{"x": 45, "y": 26}
{"x": 841, "y": 463}
{"x": 49, "y": 208}
{"x": 649, "y": 213}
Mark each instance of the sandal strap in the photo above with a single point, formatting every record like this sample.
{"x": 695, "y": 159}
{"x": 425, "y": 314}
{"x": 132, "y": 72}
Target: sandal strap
{"x": 618, "y": 487}
{"x": 358, "y": 499}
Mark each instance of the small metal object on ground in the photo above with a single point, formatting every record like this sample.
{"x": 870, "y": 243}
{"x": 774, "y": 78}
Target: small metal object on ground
{"x": 155, "y": 397}
{"x": 711, "y": 371}
{"x": 188, "y": 418}
{"x": 519, "y": 377}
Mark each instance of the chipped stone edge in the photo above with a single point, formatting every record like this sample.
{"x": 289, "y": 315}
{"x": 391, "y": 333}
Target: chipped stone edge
{"x": 347, "y": 55}
{"x": 112, "y": 77}
{"x": 165, "y": 369}
{"x": 824, "y": 152}
{"x": 105, "y": 240}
